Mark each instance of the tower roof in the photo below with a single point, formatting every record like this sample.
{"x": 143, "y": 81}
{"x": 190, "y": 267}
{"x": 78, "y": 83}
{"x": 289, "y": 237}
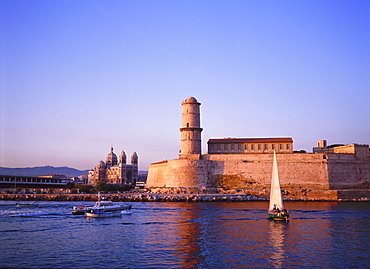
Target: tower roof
{"x": 191, "y": 100}
{"x": 122, "y": 154}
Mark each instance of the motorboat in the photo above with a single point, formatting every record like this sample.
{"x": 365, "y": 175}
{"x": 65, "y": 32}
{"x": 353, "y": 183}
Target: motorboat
{"x": 104, "y": 209}
{"x": 25, "y": 204}
{"x": 81, "y": 209}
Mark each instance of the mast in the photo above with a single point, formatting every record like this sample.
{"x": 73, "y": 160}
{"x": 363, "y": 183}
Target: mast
{"x": 275, "y": 192}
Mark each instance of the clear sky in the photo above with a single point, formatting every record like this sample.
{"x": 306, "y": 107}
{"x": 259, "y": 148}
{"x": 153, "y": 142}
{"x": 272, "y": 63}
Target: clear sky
{"x": 77, "y": 77}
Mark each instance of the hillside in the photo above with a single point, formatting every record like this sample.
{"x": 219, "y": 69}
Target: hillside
{"x": 42, "y": 170}
{"x": 46, "y": 170}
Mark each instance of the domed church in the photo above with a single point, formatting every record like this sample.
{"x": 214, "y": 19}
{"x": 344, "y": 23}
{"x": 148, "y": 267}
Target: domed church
{"x": 115, "y": 170}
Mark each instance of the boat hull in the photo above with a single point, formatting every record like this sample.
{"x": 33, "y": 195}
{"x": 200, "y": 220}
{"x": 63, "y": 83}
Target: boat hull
{"x": 104, "y": 214}
{"x": 278, "y": 216}
{"x": 24, "y": 205}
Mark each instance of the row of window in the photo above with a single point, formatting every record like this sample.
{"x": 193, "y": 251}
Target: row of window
{"x": 251, "y": 147}
{"x": 41, "y": 180}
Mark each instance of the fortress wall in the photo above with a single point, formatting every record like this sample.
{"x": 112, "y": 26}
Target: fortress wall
{"x": 348, "y": 171}
{"x": 296, "y": 170}
{"x": 187, "y": 173}
{"x": 312, "y": 171}
{"x": 179, "y": 173}
{"x": 157, "y": 174}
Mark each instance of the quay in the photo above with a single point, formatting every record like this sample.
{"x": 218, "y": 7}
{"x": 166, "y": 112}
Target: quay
{"x": 230, "y": 196}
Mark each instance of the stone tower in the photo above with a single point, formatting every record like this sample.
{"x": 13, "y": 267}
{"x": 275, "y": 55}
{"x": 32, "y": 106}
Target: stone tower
{"x": 111, "y": 158}
{"x": 191, "y": 138}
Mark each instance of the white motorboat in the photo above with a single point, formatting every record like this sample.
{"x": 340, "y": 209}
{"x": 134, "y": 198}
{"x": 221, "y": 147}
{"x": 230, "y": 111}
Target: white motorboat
{"x": 81, "y": 209}
{"x": 104, "y": 209}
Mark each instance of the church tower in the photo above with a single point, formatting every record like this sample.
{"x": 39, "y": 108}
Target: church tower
{"x": 191, "y": 138}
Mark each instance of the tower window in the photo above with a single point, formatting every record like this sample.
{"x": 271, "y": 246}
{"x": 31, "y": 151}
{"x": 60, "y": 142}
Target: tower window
{"x": 187, "y": 124}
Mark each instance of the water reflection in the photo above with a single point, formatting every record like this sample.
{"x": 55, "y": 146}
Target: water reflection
{"x": 276, "y": 233}
{"x": 220, "y": 236}
{"x": 188, "y": 247}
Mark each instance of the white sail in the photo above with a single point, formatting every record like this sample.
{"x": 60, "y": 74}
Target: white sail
{"x": 275, "y": 193}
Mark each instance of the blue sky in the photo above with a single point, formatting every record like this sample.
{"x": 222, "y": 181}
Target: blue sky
{"x": 79, "y": 76}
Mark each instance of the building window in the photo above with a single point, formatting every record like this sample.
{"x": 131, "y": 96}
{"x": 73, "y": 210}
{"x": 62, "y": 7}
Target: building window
{"x": 239, "y": 148}
{"x": 212, "y": 148}
{"x": 232, "y": 147}
{"x": 252, "y": 147}
{"x": 259, "y": 147}
{"x": 218, "y": 147}
{"x": 225, "y": 147}
{"x": 281, "y": 146}
{"x": 266, "y": 147}
{"x": 273, "y": 147}
{"x": 246, "y": 147}
{"x": 287, "y": 146}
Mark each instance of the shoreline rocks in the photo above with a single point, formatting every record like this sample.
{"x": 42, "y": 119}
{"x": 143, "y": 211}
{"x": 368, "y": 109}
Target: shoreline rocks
{"x": 233, "y": 196}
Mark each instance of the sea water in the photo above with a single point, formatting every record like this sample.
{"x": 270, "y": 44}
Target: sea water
{"x": 186, "y": 235}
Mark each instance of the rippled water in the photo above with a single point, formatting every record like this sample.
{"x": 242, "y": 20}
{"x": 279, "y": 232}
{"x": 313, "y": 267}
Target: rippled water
{"x": 187, "y": 235}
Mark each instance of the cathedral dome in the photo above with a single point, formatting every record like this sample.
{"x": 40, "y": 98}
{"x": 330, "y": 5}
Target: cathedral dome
{"x": 100, "y": 164}
{"x": 111, "y": 157}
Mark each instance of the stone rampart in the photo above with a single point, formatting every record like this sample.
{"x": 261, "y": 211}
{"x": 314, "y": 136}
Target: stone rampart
{"x": 178, "y": 173}
{"x": 315, "y": 171}
{"x": 348, "y": 171}
{"x": 254, "y": 171}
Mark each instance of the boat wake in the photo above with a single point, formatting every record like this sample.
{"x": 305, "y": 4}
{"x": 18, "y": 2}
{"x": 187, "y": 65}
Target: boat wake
{"x": 38, "y": 215}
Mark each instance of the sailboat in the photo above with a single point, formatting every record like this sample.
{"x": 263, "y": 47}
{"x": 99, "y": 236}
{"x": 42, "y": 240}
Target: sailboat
{"x": 276, "y": 209}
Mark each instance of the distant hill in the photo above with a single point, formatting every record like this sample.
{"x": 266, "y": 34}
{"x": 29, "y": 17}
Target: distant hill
{"x": 42, "y": 170}
{"x": 46, "y": 170}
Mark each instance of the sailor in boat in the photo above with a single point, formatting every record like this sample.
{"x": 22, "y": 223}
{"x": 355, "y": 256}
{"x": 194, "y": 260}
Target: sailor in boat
{"x": 283, "y": 213}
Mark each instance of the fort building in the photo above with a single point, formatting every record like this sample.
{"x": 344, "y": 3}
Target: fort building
{"x": 246, "y": 163}
{"x": 115, "y": 170}
{"x": 250, "y": 145}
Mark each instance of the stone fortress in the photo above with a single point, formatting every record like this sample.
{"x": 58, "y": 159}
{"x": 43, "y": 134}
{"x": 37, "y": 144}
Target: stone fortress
{"x": 245, "y": 164}
{"x": 115, "y": 171}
